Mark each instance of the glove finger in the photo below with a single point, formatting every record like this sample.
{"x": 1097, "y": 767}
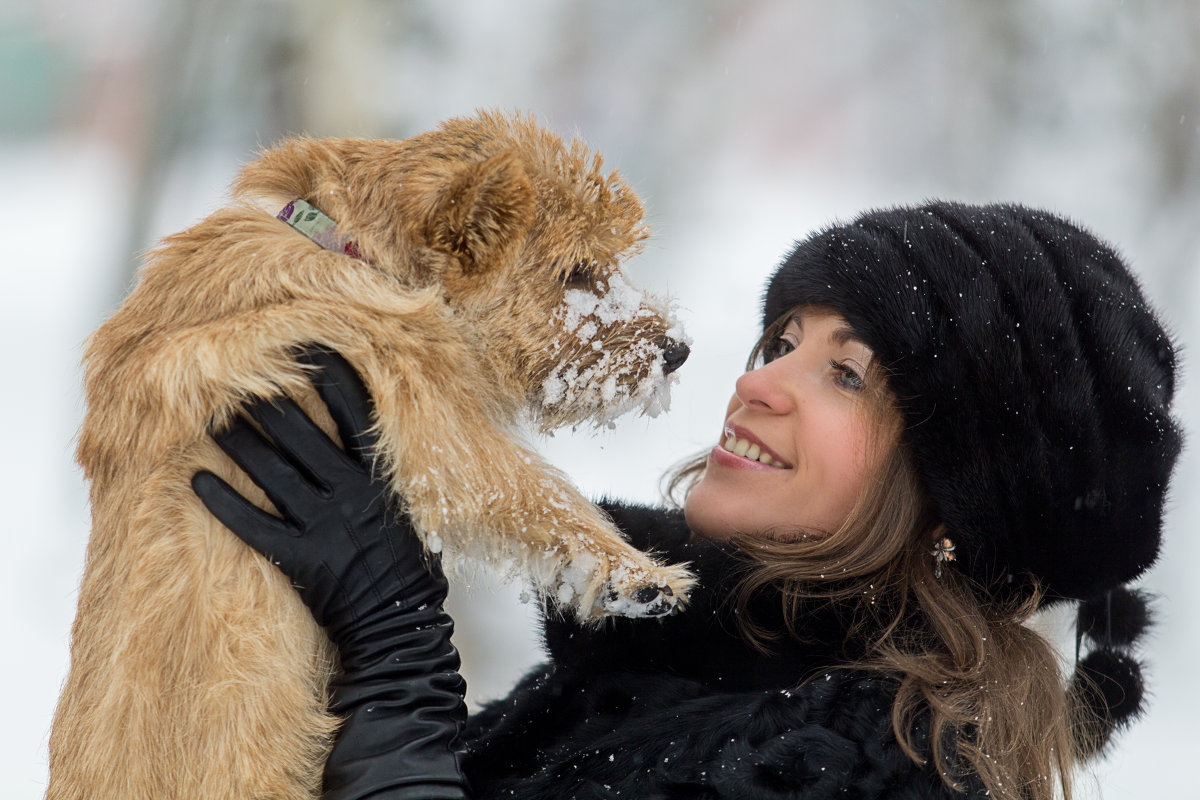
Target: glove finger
{"x": 290, "y": 491}
{"x": 303, "y": 442}
{"x": 347, "y": 398}
{"x": 266, "y": 533}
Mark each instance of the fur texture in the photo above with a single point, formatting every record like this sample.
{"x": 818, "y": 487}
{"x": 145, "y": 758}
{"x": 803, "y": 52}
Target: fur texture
{"x": 683, "y": 707}
{"x": 1117, "y": 618}
{"x": 1035, "y": 380}
{"x": 1107, "y": 685}
{"x": 1036, "y": 385}
{"x": 489, "y": 290}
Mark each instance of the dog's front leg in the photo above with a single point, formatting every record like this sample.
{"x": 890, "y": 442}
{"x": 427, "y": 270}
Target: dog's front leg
{"x": 474, "y": 488}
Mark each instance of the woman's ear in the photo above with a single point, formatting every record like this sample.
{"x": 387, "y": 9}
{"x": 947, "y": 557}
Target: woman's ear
{"x": 484, "y": 213}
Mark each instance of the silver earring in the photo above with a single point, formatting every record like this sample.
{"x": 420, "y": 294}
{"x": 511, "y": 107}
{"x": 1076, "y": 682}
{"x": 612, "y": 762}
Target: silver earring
{"x": 943, "y": 551}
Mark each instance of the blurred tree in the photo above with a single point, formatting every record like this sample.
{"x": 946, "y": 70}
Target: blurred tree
{"x": 230, "y": 74}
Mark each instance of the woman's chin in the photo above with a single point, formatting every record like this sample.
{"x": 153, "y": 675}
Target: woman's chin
{"x": 706, "y": 515}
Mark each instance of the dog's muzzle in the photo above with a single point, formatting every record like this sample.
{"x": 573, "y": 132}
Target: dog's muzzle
{"x": 675, "y": 353}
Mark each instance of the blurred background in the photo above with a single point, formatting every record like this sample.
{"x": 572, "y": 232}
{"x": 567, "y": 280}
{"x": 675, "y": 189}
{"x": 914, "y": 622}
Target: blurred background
{"x": 743, "y": 125}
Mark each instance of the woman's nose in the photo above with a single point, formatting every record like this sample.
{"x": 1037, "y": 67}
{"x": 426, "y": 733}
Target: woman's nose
{"x": 762, "y": 389}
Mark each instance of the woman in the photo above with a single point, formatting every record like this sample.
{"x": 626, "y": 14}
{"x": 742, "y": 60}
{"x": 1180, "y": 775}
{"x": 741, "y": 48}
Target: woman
{"x": 956, "y": 415}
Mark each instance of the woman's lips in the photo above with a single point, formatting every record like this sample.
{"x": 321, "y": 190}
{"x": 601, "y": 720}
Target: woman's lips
{"x": 719, "y": 455}
{"x": 743, "y": 450}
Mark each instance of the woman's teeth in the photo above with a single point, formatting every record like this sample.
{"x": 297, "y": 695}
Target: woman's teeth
{"x": 745, "y": 449}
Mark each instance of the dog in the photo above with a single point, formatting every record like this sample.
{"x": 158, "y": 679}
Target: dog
{"x": 471, "y": 275}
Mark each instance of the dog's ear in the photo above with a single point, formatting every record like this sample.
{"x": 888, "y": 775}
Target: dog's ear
{"x": 297, "y": 167}
{"x": 484, "y": 213}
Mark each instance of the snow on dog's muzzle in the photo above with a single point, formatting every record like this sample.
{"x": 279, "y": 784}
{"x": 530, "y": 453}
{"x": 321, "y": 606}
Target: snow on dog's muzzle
{"x": 616, "y": 351}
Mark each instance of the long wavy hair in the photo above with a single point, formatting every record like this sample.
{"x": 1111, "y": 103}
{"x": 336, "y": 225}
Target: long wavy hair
{"x": 990, "y": 686}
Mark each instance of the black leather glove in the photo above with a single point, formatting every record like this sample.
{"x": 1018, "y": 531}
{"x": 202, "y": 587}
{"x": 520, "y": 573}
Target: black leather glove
{"x": 360, "y": 569}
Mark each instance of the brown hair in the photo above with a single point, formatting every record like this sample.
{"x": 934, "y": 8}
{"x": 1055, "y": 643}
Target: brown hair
{"x": 990, "y": 685}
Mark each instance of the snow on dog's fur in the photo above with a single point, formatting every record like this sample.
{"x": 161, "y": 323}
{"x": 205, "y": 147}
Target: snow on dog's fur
{"x": 488, "y": 289}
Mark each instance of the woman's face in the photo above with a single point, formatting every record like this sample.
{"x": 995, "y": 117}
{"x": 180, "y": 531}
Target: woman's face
{"x": 793, "y": 455}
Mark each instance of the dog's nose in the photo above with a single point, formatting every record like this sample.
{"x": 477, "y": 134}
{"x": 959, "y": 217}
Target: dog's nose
{"x": 675, "y": 353}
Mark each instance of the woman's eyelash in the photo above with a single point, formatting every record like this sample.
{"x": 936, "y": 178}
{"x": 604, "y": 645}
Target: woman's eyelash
{"x": 856, "y": 381}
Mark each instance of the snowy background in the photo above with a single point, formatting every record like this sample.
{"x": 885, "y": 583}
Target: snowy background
{"x": 743, "y": 126}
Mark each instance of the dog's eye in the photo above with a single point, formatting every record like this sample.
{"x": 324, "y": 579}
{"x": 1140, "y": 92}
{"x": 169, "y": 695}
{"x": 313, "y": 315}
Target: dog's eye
{"x": 579, "y": 275}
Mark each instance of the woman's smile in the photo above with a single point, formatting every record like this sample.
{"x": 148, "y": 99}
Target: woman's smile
{"x": 793, "y": 454}
{"x": 741, "y": 449}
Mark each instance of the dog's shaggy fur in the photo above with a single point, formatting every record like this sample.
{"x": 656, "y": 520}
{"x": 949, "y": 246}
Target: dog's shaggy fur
{"x": 488, "y": 290}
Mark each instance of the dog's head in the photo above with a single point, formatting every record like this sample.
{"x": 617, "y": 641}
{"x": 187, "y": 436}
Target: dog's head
{"x": 523, "y": 234}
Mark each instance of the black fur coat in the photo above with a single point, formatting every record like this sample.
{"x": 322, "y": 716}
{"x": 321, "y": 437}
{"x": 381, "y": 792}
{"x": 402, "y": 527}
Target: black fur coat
{"x": 685, "y": 708}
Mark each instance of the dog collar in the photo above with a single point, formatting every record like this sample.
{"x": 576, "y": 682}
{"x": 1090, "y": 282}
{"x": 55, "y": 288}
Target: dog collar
{"x": 310, "y": 221}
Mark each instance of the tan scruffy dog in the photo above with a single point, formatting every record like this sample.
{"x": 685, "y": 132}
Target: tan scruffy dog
{"x": 473, "y": 280}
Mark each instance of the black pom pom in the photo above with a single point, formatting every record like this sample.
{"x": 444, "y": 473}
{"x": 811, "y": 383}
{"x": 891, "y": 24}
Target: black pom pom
{"x": 1107, "y": 691}
{"x": 1116, "y": 618}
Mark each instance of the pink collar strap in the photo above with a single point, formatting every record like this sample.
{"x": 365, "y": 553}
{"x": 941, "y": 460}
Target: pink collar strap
{"x": 309, "y": 220}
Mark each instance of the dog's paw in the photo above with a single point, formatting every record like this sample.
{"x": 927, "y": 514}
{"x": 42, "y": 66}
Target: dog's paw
{"x": 648, "y": 601}
{"x": 604, "y": 576}
{"x": 635, "y": 596}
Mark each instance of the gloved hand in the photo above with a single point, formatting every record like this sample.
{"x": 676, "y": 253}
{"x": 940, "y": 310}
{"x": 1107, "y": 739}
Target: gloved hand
{"x": 360, "y": 569}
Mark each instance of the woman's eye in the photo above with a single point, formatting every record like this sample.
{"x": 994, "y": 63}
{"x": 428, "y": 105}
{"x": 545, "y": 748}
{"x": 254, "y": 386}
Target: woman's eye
{"x": 777, "y": 348}
{"x": 846, "y": 377}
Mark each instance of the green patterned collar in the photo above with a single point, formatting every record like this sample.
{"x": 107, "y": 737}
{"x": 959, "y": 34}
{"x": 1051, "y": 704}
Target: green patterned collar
{"x": 310, "y": 221}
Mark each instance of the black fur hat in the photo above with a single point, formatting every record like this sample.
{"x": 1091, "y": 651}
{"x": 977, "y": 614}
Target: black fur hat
{"x": 1034, "y": 379}
{"x": 1036, "y": 385}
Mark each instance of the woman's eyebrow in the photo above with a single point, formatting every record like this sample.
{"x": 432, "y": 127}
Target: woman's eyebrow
{"x": 844, "y": 335}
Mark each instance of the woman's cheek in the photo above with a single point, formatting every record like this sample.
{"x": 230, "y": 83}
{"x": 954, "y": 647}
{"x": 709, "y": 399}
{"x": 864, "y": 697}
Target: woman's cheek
{"x": 696, "y": 511}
